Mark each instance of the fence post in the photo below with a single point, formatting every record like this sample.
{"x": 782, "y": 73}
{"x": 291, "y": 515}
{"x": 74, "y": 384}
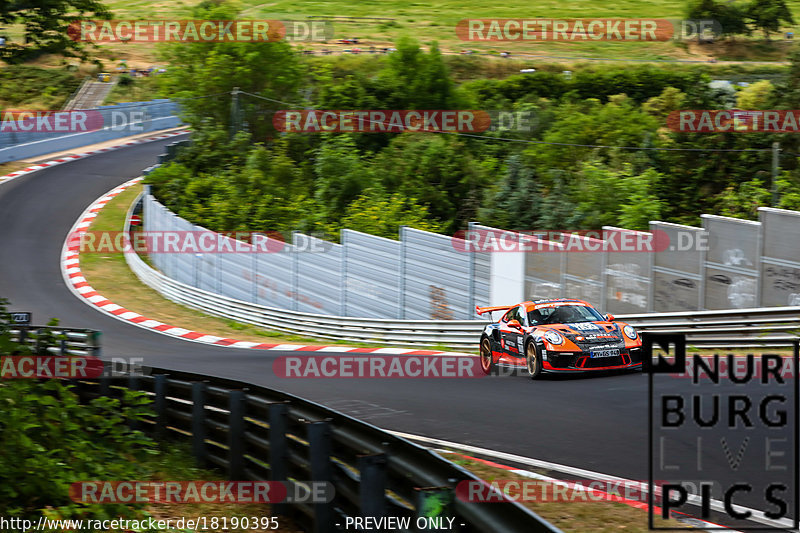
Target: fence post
{"x": 278, "y": 450}
{"x": 199, "y": 422}
{"x": 319, "y": 444}
{"x": 343, "y": 274}
{"x": 372, "y": 485}
{"x": 133, "y": 384}
{"x": 160, "y": 403}
{"x": 402, "y": 296}
{"x": 295, "y": 275}
{"x": 236, "y": 407}
{"x": 472, "y": 270}
{"x": 103, "y": 385}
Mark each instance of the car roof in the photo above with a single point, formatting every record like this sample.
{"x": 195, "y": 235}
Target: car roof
{"x": 552, "y": 302}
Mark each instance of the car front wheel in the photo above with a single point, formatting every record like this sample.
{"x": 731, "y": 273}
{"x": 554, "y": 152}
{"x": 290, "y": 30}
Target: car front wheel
{"x": 534, "y": 360}
{"x": 487, "y": 361}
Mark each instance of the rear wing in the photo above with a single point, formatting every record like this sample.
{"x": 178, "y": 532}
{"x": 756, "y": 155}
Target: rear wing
{"x": 483, "y": 310}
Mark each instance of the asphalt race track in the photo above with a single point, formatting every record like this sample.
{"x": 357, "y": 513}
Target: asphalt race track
{"x": 597, "y": 423}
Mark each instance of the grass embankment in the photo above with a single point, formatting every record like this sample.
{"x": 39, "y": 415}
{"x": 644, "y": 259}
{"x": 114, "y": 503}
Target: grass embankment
{"x": 175, "y": 463}
{"x": 436, "y": 21}
{"x": 574, "y": 516}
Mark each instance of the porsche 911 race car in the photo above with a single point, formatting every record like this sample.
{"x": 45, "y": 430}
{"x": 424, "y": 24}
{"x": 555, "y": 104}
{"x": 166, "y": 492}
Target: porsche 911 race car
{"x": 560, "y": 335}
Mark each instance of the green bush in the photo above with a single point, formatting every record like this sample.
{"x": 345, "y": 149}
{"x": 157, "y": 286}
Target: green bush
{"x": 49, "y": 440}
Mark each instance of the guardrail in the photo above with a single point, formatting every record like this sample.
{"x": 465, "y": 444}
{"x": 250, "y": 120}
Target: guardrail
{"x": 256, "y": 433}
{"x": 70, "y": 341}
{"x": 699, "y": 326}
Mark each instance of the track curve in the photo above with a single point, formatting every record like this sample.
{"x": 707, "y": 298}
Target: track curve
{"x": 596, "y": 423}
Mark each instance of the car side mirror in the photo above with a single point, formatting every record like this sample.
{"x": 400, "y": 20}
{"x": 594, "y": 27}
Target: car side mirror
{"x": 514, "y": 324}
{"x": 609, "y": 317}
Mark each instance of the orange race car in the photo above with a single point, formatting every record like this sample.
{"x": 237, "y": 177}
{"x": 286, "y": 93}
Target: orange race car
{"x": 560, "y": 335}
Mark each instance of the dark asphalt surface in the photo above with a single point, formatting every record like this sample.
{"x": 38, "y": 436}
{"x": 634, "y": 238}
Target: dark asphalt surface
{"x": 597, "y": 423}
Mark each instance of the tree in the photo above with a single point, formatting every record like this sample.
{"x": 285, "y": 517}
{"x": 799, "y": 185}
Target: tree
{"x": 414, "y": 79}
{"x": 609, "y": 197}
{"x": 47, "y": 27}
{"x": 729, "y": 16}
{"x": 515, "y": 204}
{"x": 341, "y": 175}
{"x": 768, "y": 15}
{"x": 758, "y": 95}
{"x": 206, "y": 73}
{"x": 743, "y": 201}
{"x": 671, "y": 99}
{"x": 377, "y": 214}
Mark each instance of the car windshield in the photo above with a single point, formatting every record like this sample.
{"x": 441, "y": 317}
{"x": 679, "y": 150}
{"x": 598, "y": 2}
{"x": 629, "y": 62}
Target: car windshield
{"x": 563, "y": 314}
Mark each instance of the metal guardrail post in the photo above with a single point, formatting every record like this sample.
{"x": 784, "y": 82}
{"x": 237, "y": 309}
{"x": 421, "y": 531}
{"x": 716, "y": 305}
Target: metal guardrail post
{"x": 103, "y": 385}
{"x": 278, "y": 448}
{"x": 402, "y": 292}
{"x": 319, "y": 444}
{"x": 95, "y": 336}
{"x": 433, "y": 503}
{"x": 133, "y": 384}
{"x": 236, "y": 408}
{"x": 372, "y": 484}
{"x": 160, "y": 403}
{"x": 199, "y": 422}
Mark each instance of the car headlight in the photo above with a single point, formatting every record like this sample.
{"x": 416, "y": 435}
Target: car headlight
{"x": 553, "y": 338}
{"x": 630, "y": 332}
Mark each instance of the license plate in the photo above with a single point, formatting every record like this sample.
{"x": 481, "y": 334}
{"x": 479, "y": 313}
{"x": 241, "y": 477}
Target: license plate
{"x": 604, "y": 353}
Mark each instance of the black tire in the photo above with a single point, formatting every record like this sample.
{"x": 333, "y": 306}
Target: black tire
{"x": 487, "y": 359}
{"x": 533, "y": 359}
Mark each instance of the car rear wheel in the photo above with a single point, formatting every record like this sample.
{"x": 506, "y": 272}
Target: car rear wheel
{"x": 487, "y": 361}
{"x": 534, "y": 360}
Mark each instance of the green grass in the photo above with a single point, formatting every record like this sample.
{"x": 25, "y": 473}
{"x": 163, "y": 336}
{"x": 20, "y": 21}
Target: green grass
{"x": 175, "y": 463}
{"x": 436, "y": 21}
{"x": 35, "y": 88}
{"x": 573, "y": 516}
{"x": 140, "y": 89}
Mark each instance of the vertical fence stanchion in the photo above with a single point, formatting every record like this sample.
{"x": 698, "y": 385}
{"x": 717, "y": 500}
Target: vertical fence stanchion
{"x": 372, "y": 484}
{"x": 236, "y": 408}
{"x": 278, "y": 448}
{"x": 319, "y": 447}
{"x": 401, "y": 300}
{"x": 133, "y": 385}
{"x": 103, "y": 385}
{"x": 160, "y": 404}
{"x": 199, "y": 422}
{"x": 96, "y": 344}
